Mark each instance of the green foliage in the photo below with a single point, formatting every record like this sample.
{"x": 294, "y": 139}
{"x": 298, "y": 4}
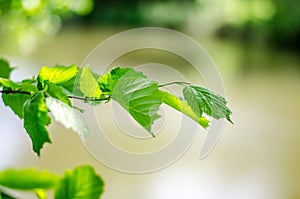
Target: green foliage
{"x": 88, "y": 84}
{"x": 36, "y": 119}
{"x": 28, "y": 179}
{"x": 82, "y": 182}
{"x": 5, "y": 68}
{"x": 33, "y": 99}
{"x": 201, "y": 100}
{"x": 50, "y": 92}
{"x": 59, "y": 75}
{"x": 108, "y": 81}
{"x": 183, "y": 107}
{"x": 17, "y": 100}
{"x": 57, "y": 92}
{"x": 139, "y": 96}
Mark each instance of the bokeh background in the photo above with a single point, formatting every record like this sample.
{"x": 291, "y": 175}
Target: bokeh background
{"x": 254, "y": 43}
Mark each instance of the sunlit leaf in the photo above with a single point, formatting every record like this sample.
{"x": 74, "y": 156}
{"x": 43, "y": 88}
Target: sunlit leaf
{"x": 28, "y": 179}
{"x": 36, "y": 119}
{"x": 57, "y": 74}
{"x": 88, "y": 84}
{"x": 67, "y": 115}
{"x": 183, "y": 107}
{"x": 41, "y": 193}
{"x": 81, "y": 183}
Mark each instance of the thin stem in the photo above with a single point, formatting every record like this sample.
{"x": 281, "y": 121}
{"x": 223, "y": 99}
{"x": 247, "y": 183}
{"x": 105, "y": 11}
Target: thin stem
{"x": 15, "y": 91}
{"x": 89, "y": 99}
{"x": 171, "y": 83}
{"x": 85, "y": 99}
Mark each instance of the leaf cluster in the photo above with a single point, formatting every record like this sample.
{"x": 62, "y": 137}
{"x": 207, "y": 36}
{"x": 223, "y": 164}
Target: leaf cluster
{"x": 52, "y": 89}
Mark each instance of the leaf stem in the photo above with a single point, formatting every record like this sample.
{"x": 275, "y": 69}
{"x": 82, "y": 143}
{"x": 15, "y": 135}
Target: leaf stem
{"x": 171, "y": 83}
{"x": 15, "y": 91}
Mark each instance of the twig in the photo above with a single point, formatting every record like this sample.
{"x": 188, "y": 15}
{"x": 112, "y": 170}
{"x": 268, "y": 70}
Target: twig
{"x": 171, "y": 83}
{"x": 85, "y": 99}
{"x": 15, "y": 91}
{"x": 89, "y": 99}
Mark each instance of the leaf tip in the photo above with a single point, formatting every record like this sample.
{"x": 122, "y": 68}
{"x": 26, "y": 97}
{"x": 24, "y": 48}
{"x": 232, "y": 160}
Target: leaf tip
{"x": 229, "y": 119}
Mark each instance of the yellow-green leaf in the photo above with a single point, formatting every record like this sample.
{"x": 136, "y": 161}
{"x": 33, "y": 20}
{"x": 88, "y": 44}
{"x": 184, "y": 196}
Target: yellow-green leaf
{"x": 28, "y": 179}
{"x": 183, "y": 107}
{"x": 57, "y": 74}
{"x": 88, "y": 84}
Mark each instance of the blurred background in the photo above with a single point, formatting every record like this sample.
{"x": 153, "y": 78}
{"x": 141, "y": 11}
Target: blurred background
{"x": 254, "y": 43}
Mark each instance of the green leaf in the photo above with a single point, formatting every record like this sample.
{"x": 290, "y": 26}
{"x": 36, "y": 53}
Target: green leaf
{"x": 108, "y": 81}
{"x": 202, "y": 100}
{"x": 7, "y": 83}
{"x": 183, "y": 107}
{"x": 57, "y": 92}
{"x": 139, "y": 96}
{"x": 88, "y": 84}
{"x": 81, "y": 183}
{"x": 16, "y": 100}
{"x": 5, "y": 68}
{"x": 67, "y": 115}
{"x": 28, "y": 179}
{"x": 57, "y": 75}
{"x": 36, "y": 119}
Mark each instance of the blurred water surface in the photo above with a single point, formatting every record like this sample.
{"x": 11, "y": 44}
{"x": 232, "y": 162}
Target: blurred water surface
{"x": 257, "y": 157}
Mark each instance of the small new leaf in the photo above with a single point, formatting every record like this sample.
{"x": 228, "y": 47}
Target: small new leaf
{"x": 36, "y": 119}
{"x": 28, "y": 179}
{"x": 81, "y": 183}
{"x": 202, "y": 100}
{"x": 139, "y": 96}
{"x": 67, "y": 115}
{"x": 88, "y": 84}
